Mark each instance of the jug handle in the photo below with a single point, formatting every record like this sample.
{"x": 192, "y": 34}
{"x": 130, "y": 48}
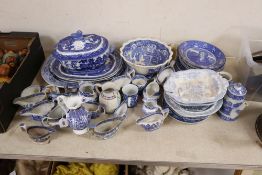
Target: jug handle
{"x": 226, "y": 75}
{"x": 97, "y": 85}
{"x": 23, "y": 127}
{"x": 131, "y": 73}
{"x": 61, "y": 103}
{"x": 165, "y": 113}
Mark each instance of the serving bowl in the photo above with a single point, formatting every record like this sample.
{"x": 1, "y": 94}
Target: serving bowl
{"x": 196, "y": 86}
{"x": 146, "y": 56}
{"x": 79, "y": 51}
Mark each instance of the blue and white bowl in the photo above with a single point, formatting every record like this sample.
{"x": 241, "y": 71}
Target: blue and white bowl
{"x": 201, "y": 55}
{"x": 79, "y": 51}
{"x": 146, "y": 56}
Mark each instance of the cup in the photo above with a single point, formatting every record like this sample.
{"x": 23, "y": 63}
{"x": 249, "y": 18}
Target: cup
{"x": 140, "y": 81}
{"x": 130, "y": 92}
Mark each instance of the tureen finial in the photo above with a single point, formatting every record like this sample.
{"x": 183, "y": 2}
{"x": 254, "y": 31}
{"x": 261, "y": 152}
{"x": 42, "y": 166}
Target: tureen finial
{"x": 77, "y": 34}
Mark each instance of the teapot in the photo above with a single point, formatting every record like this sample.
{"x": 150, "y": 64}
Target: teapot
{"x": 109, "y": 96}
{"x": 76, "y": 115}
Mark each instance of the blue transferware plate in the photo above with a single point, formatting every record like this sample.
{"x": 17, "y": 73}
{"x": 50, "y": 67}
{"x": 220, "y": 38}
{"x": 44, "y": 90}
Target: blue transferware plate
{"x": 183, "y": 119}
{"x": 200, "y": 54}
{"x": 112, "y": 67}
{"x": 192, "y": 114}
{"x": 53, "y": 80}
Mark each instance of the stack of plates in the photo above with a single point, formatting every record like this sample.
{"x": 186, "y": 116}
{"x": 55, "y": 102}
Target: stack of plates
{"x": 55, "y": 74}
{"x": 194, "y": 54}
{"x": 193, "y": 95}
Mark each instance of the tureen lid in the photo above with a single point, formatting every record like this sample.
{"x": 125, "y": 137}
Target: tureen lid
{"x": 200, "y": 54}
{"x": 77, "y": 44}
{"x": 237, "y": 89}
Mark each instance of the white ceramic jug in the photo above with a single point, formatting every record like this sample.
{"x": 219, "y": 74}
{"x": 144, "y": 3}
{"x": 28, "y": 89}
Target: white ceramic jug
{"x": 109, "y": 96}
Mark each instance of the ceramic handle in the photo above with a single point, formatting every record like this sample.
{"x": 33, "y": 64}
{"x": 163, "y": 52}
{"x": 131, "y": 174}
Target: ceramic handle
{"x": 98, "y": 85}
{"x": 226, "y": 75}
{"x": 131, "y": 73}
{"x": 60, "y": 101}
{"x": 165, "y": 112}
{"x": 23, "y": 127}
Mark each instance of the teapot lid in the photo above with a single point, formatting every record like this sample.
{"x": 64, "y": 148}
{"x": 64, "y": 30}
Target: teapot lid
{"x": 78, "y": 45}
{"x": 237, "y": 89}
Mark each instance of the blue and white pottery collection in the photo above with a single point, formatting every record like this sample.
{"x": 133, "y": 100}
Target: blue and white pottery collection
{"x": 91, "y": 86}
{"x": 234, "y": 102}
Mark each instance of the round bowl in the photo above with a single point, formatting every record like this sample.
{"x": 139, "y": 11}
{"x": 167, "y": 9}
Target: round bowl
{"x": 200, "y": 54}
{"x": 79, "y": 51}
{"x": 146, "y": 56}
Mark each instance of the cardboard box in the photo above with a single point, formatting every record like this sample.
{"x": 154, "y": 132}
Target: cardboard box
{"x": 24, "y": 74}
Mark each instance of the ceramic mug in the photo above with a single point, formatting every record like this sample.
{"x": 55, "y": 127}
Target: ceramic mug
{"x": 140, "y": 81}
{"x": 130, "y": 92}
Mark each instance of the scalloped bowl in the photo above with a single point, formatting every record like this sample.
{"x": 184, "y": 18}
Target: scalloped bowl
{"x": 146, "y": 56}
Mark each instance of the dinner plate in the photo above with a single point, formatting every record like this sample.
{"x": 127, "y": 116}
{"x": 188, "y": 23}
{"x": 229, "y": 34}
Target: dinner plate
{"x": 180, "y": 111}
{"x": 53, "y": 80}
{"x": 110, "y": 69}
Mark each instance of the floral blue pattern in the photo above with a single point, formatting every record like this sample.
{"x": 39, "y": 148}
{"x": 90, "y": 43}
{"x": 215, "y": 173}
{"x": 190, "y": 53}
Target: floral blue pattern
{"x": 79, "y": 51}
{"x": 200, "y": 54}
{"x": 78, "y": 119}
{"x": 146, "y": 52}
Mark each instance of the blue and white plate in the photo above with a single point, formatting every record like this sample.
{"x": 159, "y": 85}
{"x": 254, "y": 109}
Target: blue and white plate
{"x": 187, "y": 120}
{"x": 192, "y": 114}
{"x": 200, "y": 54}
{"x": 53, "y": 80}
{"x": 112, "y": 67}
